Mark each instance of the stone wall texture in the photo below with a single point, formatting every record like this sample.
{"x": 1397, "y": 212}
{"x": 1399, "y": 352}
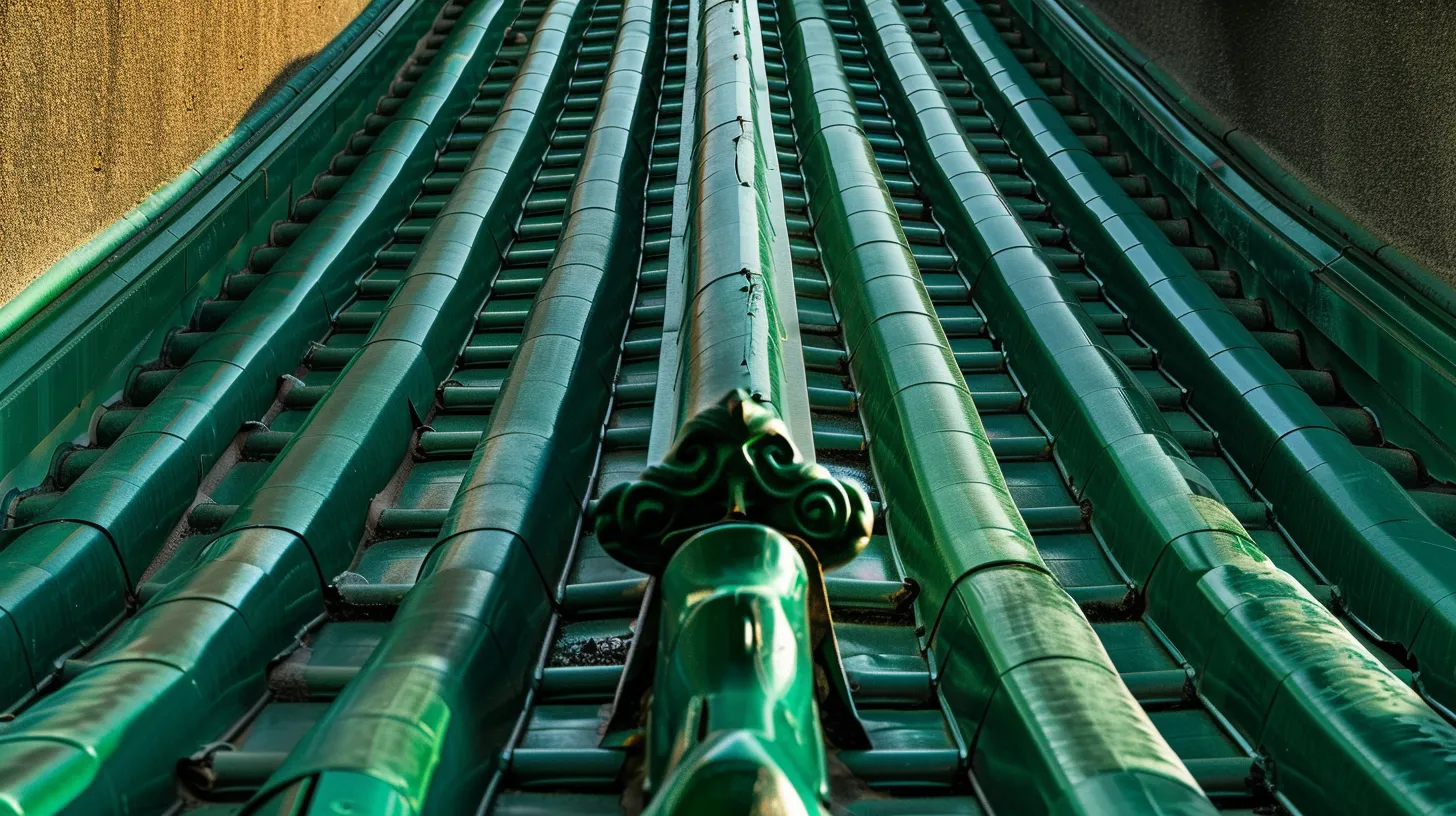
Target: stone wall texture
{"x": 1358, "y": 99}
{"x": 102, "y": 101}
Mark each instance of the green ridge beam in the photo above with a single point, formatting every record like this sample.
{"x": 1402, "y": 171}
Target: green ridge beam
{"x": 732, "y": 330}
{"x": 734, "y": 521}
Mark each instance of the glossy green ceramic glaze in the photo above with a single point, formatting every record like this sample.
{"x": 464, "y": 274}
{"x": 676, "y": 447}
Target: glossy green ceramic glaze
{"x": 704, "y": 406}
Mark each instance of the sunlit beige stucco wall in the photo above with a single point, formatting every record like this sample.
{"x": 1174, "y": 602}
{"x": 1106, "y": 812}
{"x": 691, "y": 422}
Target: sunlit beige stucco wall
{"x": 102, "y": 101}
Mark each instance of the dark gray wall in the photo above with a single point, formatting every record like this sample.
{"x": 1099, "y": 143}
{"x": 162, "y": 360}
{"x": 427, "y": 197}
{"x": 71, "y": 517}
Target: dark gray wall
{"x": 1357, "y": 98}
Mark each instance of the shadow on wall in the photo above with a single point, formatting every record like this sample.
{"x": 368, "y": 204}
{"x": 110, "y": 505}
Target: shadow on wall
{"x": 103, "y": 101}
{"x": 286, "y": 73}
{"x": 1356, "y": 98}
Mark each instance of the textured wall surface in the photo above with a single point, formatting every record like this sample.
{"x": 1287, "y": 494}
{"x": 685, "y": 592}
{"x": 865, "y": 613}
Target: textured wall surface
{"x": 1358, "y": 99}
{"x": 102, "y": 101}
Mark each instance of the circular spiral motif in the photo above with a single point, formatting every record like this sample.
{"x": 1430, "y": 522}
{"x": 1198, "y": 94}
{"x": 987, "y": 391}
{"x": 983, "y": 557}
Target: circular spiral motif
{"x": 693, "y": 454}
{"x": 646, "y": 511}
{"x": 774, "y": 465}
{"x": 737, "y": 462}
{"x": 822, "y": 509}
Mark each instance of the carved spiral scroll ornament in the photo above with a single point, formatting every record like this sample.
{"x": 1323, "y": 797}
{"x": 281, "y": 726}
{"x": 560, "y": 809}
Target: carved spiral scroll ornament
{"x": 733, "y": 462}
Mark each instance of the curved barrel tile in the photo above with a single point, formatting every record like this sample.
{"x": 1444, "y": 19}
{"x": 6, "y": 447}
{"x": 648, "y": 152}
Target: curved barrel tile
{"x": 203, "y": 640}
{"x": 463, "y": 643}
{"x": 1008, "y": 639}
{"x": 442, "y": 569}
{"x": 1202, "y": 575}
{"x": 1393, "y": 565}
{"x": 65, "y": 577}
{"x": 1387, "y": 314}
